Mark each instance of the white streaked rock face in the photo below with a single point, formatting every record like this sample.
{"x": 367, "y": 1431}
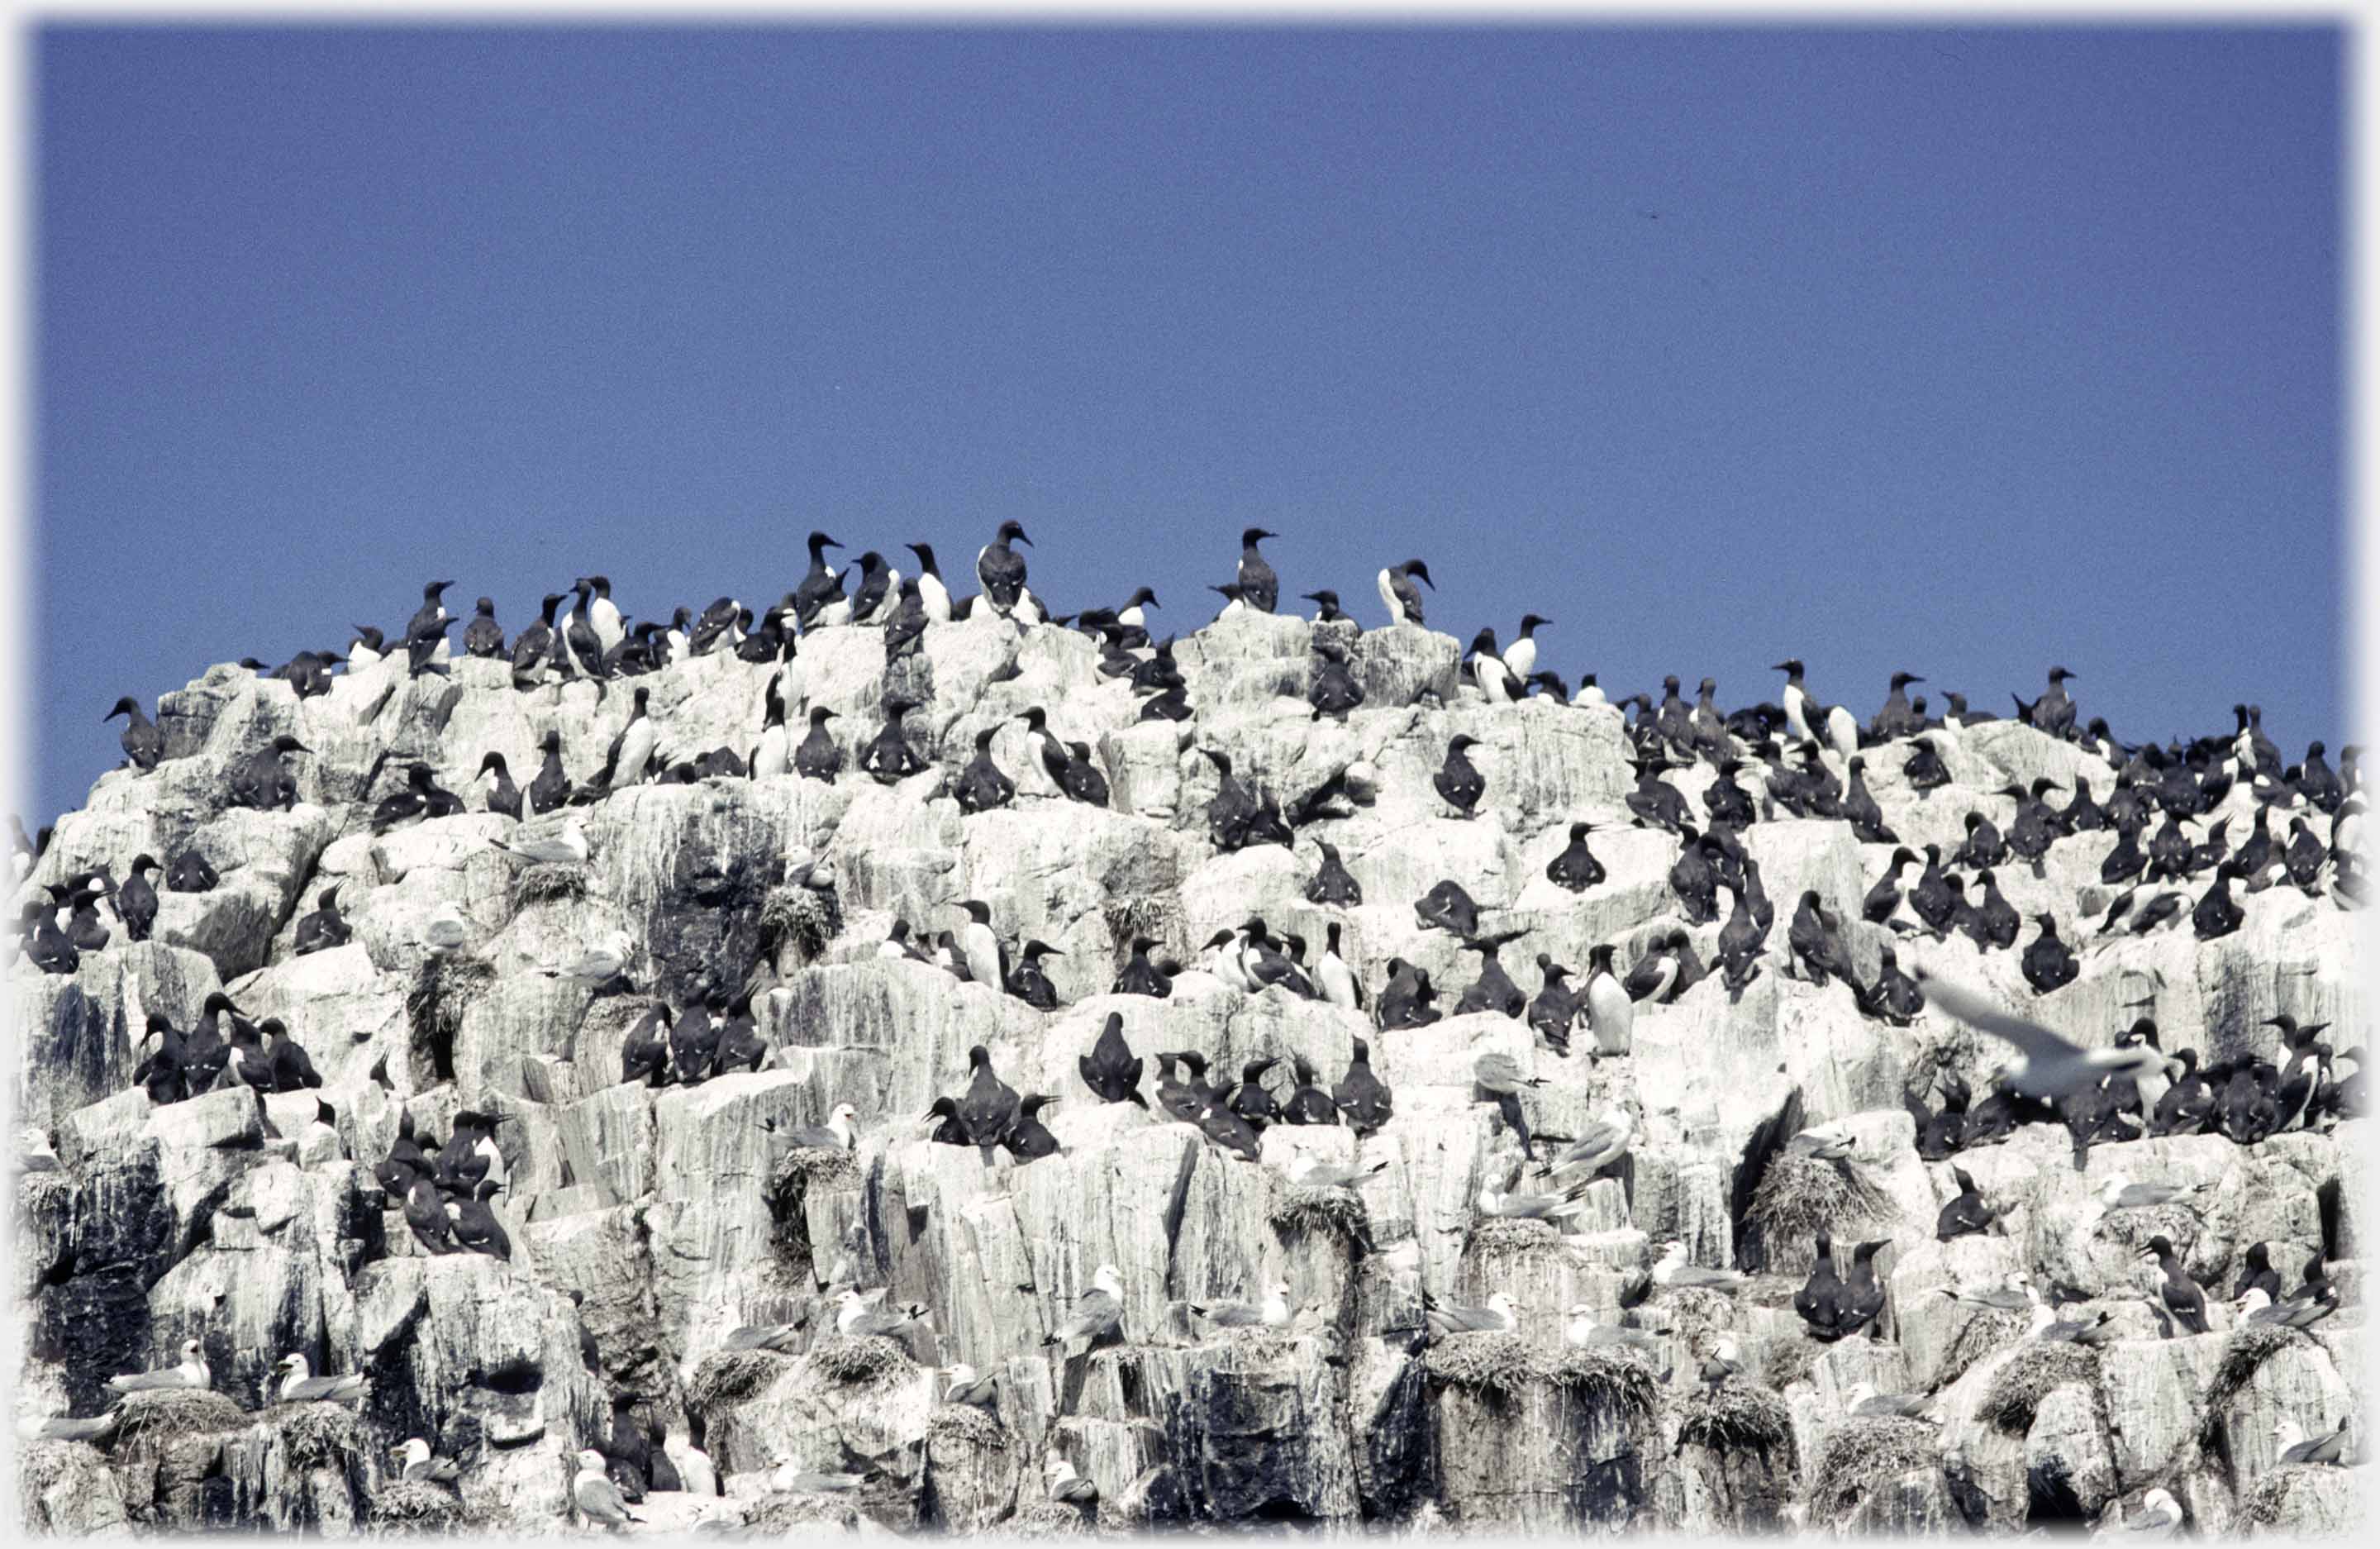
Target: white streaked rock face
{"x": 648, "y": 1219}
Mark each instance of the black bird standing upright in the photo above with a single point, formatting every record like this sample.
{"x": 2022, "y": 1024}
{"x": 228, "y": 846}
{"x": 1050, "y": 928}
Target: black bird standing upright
{"x": 2259, "y": 1274}
{"x": 432, "y": 611}
{"x": 143, "y": 743}
{"x": 820, "y": 586}
{"x": 135, "y": 900}
{"x": 483, "y": 637}
{"x": 1309, "y": 1103}
{"x": 1026, "y": 1138}
{"x": 1000, "y": 568}
{"x": 1259, "y": 588}
{"x": 989, "y": 1104}
{"x": 2180, "y": 1294}
{"x": 981, "y": 787}
{"x": 817, "y": 757}
{"x": 551, "y": 788}
{"x": 1332, "y": 882}
{"x": 1456, "y": 780}
{"x": 504, "y": 797}
{"x": 2049, "y": 964}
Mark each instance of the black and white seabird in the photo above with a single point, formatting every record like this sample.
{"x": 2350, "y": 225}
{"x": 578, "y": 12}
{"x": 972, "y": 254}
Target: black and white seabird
{"x": 888, "y": 759}
{"x": 504, "y": 797}
{"x": 143, "y": 742}
{"x": 1111, "y": 1069}
{"x": 482, "y": 636}
{"x": 989, "y": 1104}
{"x": 818, "y": 757}
{"x": 1456, "y": 779}
{"x": 191, "y": 872}
{"x": 1259, "y": 588}
{"x": 1140, "y": 976}
{"x": 1398, "y": 593}
{"x": 2180, "y": 1294}
{"x": 1554, "y": 1009}
{"x": 550, "y": 790}
{"x": 1002, "y": 569}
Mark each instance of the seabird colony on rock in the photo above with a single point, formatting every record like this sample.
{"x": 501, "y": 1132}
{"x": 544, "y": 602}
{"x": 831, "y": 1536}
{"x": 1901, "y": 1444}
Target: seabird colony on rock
{"x": 1794, "y": 758}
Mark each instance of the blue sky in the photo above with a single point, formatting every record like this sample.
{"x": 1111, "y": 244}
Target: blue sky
{"x": 1956, "y": 350}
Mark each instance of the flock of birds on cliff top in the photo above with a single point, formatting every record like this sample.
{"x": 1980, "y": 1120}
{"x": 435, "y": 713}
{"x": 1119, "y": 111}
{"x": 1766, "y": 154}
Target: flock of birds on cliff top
{"x": 2098, "y": 1095}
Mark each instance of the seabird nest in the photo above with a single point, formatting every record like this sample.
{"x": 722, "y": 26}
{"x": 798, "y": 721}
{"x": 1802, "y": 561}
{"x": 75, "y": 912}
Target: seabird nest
{"x": 1314, "y": 1211}
{"x": 1737, "y": 1417}
{"x": 965, "y": 1425}
{"x": 1799, "y": 1196}
{"x": 1498, "y": 1364}
{"x": 549, "y": 880}
{"x": 1500, "y": 1239}
{"x": 786, "y": 1510}
{"x": 1692, "y": 1312}
{"x": 2251, "y": 1346}
{"x": 732, "y": 1376}
{"x": 443, "y": 988}
{"x": 1989, "y": 1331}
{"x": 416, "y": 1506}
{"x": 1270, "y": 1347}
{"x": 805, "y": 1167}
{"x": 1047, "y": 1518}
{"x": 802, "y": 918}
{"x": 2029, "y": 1375}
{"x": 173, "y": 1412}
{"x": 314, "y": 1435}
{"x": 1860, "y": 1455}
{"x": 851, "y": 1361}
{"x": 1142, "y": 914}
{"x": 1618, "y": 1377}
{"x": 1786, "y": 1358}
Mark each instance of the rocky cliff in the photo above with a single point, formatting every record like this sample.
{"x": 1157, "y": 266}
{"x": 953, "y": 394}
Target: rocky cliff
{"x": 653, "y": 1224}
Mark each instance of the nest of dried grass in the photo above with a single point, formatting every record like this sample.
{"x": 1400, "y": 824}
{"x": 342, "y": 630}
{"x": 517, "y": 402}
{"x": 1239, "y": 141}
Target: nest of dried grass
{"x": 1503, "y": 1237}
{"x": 1737, "y": 1417}
{"x": 732, "y": 1376}
{"x": 1049, "y": 1520}
{"x": 1263, "y": 1347}
{"x": 2249, "y": 1346}
{"x": 803, "y": 1167}
{"x": 855, "y": 1360}
{"x": 1785, "y": 1359}
{"x": 1860, "y": 1455}
{"x": 2029, "y": 1375}
{"x": 1622, "y": 1378}
{"x": 1316, "y": 1211}
{"x": 1802, "y": 1195}
{"x": 1500, "y": 1365}
{"x": 416, "y": 1506}
{"x": 2265, "y": 1503}
{"x": 549, "y": 882}
{"x": 443, "y": 988}
{"x": 956, "y": 1426}
{"x": 1988, "y": 1332}
{"x": 1692, "y": 1313}
{"x": 782, "y": 1513}
{"x": 1142, "y": 914}
{"x": 170, "y": 1414}
{"x": 803, "y": 918}
{"x": 314, "y": 1435}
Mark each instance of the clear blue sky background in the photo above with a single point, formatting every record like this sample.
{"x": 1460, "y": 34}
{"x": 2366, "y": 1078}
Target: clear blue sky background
{"x": 1958, "y": 351}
